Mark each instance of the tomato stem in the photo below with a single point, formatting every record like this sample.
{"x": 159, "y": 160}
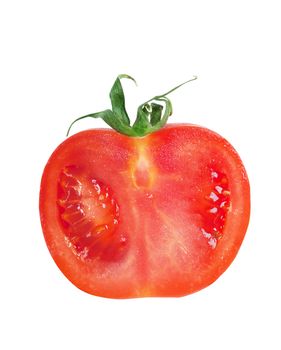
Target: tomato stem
{"x": 152, "y": 115}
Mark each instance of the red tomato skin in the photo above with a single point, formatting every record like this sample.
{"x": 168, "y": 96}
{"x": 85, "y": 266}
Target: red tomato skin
{"x": 164, "y": 186}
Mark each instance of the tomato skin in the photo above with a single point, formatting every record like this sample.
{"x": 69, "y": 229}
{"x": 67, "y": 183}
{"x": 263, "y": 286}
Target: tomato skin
{"x": 167, "y": 186}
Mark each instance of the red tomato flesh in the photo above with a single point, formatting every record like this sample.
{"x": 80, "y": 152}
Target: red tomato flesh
{"x": 160, "y": 215}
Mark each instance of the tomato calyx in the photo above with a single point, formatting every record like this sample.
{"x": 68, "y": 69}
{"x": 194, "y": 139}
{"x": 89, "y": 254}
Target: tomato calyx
{"x": 152, "y": 115}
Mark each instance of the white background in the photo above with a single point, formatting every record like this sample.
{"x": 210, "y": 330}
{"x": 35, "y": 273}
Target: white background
{"x": 58, "y": 61}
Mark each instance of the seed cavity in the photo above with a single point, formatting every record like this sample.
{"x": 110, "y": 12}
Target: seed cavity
{"x": 89, "y": 215}
{"x": 217, "y": 204}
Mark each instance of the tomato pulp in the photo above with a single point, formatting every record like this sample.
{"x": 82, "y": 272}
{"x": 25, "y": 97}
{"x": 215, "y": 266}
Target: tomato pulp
{"x": 159, "y": 215}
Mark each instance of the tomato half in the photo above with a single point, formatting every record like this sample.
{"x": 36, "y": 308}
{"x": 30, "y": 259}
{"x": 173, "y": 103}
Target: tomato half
{"x": 159, "y": 215}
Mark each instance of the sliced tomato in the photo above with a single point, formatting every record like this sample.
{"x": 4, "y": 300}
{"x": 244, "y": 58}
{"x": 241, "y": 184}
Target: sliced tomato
{"x": 160, "y": 215}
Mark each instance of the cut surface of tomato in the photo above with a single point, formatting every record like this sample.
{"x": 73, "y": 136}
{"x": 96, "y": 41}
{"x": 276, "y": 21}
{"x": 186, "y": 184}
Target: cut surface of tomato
{"x": 159, "y": 215}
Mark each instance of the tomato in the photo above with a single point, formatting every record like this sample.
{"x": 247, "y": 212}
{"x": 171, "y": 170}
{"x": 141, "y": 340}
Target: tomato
{"x": 163, "y": 214}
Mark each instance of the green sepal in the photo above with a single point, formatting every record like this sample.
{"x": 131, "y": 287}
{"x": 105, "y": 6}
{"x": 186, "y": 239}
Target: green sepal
{"x": 142, "y": 122}
{"x": 117, "y": 98}
{"x": 156, "y": 113}
{"x": 110, "y": 118}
